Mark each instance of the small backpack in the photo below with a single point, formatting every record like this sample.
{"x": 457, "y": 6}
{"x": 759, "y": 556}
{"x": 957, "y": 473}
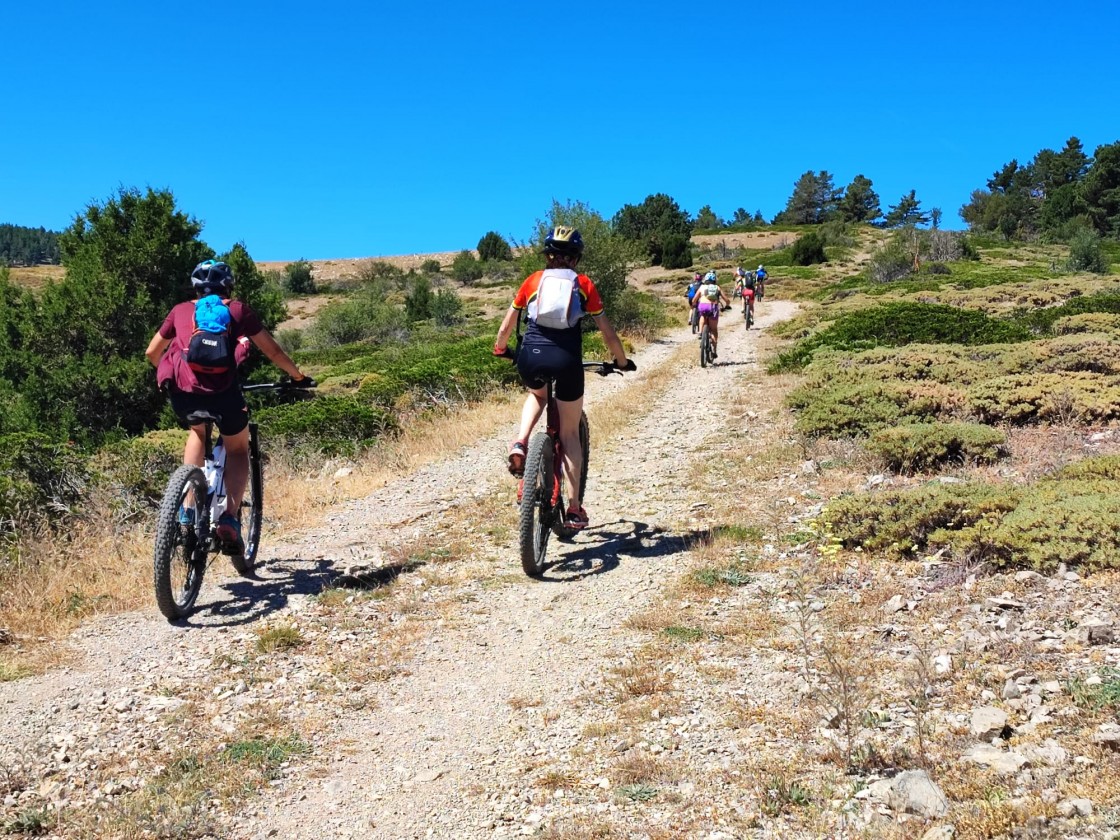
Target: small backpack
{"x": 211, "y": 346}
{"x": 557, "y": 303}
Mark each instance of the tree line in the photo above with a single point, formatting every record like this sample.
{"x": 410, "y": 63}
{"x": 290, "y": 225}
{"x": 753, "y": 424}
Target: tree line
{"x": 1056, "y": 194}
{"x": 28, "y": 246}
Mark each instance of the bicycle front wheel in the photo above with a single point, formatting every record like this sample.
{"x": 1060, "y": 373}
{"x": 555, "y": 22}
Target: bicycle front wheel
{"x": 536, "y": 505}
{"x": 252, "y": 509}
{"x": 181, "y": 540}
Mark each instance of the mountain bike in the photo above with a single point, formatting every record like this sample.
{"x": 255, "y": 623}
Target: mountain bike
{"x": 195, "y": 497}
{"x": 541, "y": 499}
{"x": 707, "y": 354}
{"x": 748, "y": 315}
{"x": 694, "y": 320}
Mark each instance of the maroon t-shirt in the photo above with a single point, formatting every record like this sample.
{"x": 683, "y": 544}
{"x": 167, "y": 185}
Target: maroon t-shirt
{"x": 179, "y": 327}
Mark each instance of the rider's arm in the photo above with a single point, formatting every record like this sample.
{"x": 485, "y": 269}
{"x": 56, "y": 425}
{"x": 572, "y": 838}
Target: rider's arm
{"x": 155, "y": 348}
{"x": 276, "y": 354}
{"x": 611, "y": 339}
{"x": 505, "y": 329}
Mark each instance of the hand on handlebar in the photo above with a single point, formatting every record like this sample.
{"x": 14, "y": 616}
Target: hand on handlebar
{"x": 504, "y": 353}
{"x": 307, "y": 382}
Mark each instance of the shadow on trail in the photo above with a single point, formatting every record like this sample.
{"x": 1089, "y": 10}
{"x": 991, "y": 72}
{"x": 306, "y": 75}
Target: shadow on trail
{"x": 598, "y": 549}
{"x": 269, "y": 589}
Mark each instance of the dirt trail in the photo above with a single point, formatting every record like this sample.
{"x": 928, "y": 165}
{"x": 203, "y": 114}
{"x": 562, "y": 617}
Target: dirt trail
{"x": 438, "y": 750}
{"x": 446, "y": 741}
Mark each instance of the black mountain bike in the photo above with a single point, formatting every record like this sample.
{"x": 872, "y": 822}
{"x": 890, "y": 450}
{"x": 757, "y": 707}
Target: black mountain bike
{"x": 706, "y": 353}
{"x": 542, "y": 489}
{"x": 195, "y": 497}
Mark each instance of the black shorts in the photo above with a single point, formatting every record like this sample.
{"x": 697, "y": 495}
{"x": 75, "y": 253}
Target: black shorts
{"x": 228, "y": 404}
{"x": 537, "y": 363}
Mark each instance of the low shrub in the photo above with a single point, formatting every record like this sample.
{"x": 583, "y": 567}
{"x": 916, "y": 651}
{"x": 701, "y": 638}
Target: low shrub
{"x": 363, "y": 317}
{"x": 493, "y": 246}
{"x": 808, "y": 249}
{"x": 1089, "y": 322}
{"x": 430, "y": 266}
{"x": 135, "y": 471}
{"x": 898, "y": 323}
{"x": 890, "y": 263}
{"x": 1085, "y": 253}
{"x": 1040, "y": 320}
{"x": 919, "y": 447}
{"x": 465, "y": 268}
{"x": 904, "y": 521}
{"x": 446, "y": 307}
{"x": 327, "y": 425}
{"x": 298, "y": 278}
{"x": 290, "y": 338}
{"x": 638, "y": 312}
{"x": 1024, "y": 399}
{"x": 40, "y": 480}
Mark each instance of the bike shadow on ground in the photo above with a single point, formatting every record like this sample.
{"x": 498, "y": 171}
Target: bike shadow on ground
{"x": 598, "y": 549}
{"x": 273, "y": 584}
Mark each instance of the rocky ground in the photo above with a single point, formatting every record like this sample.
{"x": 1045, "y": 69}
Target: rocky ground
{"x": 703, "y": 662}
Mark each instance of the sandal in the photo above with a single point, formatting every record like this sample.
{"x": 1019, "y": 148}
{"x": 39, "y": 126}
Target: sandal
{"x": 576, "y": 519}
{"x": 517, "y": 454}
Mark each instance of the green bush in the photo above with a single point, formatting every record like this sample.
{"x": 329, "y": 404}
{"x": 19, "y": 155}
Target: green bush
{"x": 920, "y": 447}
{"x": 135, "y": 471}
{"x": 676, "y": 251}
{"x": 298, "y": 279}
{"x": 362, "y": 317}
{"x": 465, "y": 268}
{"x": 1085, "y": 253}
{"x": 327, "y": 425}
{"x": 1027, "y": 398}
{"x": 903, "y": 322}
{"x": 1041, "y": 320}
{"x": 914, "y": 519}
{"x": 808, "y": 249}
{"x": 447, "y": 307}
{"x": 418, "y": 302}
{"x": 638, "y": 312}
{"x": 40, "y": 480}
{"x": 848, "y": 410}
{"x": 430, "y": 266}
{"x": 290, "y": 338}
{"x": 494, "y": 247}
{"x": 889, "y": 263}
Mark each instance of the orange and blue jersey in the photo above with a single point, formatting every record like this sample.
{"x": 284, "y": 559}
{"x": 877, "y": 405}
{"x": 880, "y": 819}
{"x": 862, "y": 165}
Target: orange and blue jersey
{"x": 590, "y": 303}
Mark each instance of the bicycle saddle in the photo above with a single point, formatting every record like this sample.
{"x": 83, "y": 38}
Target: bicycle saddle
{"x": 198, "y": 418}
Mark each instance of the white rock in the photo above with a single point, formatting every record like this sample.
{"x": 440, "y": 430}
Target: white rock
{"x": 988, "y": 722}
{"x": 913, "y": 792}
{"x": 1075, "y": 808}
{"x": 940, "y": 832}
{"x": 1004, "y": 763}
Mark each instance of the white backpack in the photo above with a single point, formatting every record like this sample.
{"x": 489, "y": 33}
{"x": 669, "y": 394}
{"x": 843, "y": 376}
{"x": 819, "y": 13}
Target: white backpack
{"x": 557, "y": 302}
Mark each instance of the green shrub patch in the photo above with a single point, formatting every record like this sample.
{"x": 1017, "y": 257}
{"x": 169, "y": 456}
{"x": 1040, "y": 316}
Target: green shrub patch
{"x": 919, "y": 447}
{"x": 331, "y": 425}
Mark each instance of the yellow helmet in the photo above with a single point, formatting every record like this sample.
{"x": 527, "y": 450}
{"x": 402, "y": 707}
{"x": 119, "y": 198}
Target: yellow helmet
{"x": 563, "y": 240}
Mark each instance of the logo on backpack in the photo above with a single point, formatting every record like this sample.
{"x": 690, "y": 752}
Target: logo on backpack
{"x": 557, "y": 303}
{"x": 210, "y": 349}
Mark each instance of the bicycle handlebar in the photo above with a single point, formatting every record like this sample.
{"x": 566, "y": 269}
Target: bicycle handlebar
{"x": 305, "y": 384}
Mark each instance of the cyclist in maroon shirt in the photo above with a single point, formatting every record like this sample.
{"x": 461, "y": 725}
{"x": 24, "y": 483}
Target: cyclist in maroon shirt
{"x": 189, "y": 389}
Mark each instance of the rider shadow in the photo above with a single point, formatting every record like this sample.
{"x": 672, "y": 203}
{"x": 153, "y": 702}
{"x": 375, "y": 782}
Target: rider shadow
{"x": 640, "y": 541}
{"x": 252, "y": 598}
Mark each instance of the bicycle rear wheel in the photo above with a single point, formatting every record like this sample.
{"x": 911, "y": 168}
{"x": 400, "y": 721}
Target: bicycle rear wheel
{"x": 705, "y": 347}
{"x": 180, "y": 552}
{"x": 252, "y": 509}
{"x": 536, "y": 505}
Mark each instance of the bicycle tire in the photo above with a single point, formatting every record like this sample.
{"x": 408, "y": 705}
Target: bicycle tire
{"x": 695, "y": 321}
{"x": 252, "y": 510}
{"x": 705, "y": 346}
{"x": 536, "y": 505}
{"x": 180, "y": 548}
{"x": 558, "y": 527}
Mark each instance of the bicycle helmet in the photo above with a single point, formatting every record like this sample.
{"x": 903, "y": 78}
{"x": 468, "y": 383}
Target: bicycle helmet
{"x": 212, "y": 275}
{"x": 760, "y": 268}
{"x": 564, "y": 240}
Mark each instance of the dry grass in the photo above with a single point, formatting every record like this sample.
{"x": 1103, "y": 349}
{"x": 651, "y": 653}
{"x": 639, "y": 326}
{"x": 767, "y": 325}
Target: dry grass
{"x": 639, "y": 678}
{"x": 280, "y": 638}
{"x": 35, "y": 276}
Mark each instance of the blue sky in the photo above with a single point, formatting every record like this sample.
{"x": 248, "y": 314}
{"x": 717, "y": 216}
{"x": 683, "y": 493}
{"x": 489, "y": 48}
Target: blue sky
{"x": 328, "y": 129}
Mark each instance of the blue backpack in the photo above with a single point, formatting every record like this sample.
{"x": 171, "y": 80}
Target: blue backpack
{"x": 210, "y": 349}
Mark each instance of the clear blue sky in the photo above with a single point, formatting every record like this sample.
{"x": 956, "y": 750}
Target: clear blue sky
{"x": 329, "y": 129}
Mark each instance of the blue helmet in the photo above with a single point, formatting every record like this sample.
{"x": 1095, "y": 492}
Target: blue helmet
{"x": 212, "y": 275}
{"x": 564, "y": 240}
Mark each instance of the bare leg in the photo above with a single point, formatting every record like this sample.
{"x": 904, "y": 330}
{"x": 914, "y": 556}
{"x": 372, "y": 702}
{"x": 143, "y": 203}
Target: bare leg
{"x": 237, "y": 469}
{"x": 531, "y": 412}
{"x": 569, "y": 438}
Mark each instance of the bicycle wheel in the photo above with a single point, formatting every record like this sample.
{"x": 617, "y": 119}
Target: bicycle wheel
{"x": 747, "y": 316}
{"x": 180, "y": 553}
{"x": 536, "y": 505}
{"x": 705, "y": 347}
{"x": 695, "y": 321}
{"x": 252, "y": 511}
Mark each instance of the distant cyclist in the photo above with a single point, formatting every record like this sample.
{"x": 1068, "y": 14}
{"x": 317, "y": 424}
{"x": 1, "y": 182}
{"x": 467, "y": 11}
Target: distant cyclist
{"x": 711, "y": 296}
{"x": 748, "y": 288}
{"x": 690, "y": 293}
{"x": 760, "y": 276}
{"x": 556, "y": 299}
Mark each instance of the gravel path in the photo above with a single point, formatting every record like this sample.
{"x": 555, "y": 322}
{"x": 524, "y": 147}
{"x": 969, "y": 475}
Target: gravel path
{"x": 440, "y": 750}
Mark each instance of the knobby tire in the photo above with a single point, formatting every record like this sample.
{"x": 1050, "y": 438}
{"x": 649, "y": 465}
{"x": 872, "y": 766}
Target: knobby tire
{"x": 252, "y": 511}
{"x": 536, "y": 505}
{"x": 562, "y": 530}
{"x": 705, "y": 346}
{"x": 180, "y": 550}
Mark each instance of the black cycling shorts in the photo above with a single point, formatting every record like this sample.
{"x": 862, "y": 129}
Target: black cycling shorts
{"x": 537, "y": 363}
{"x": 228, "y": 404}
